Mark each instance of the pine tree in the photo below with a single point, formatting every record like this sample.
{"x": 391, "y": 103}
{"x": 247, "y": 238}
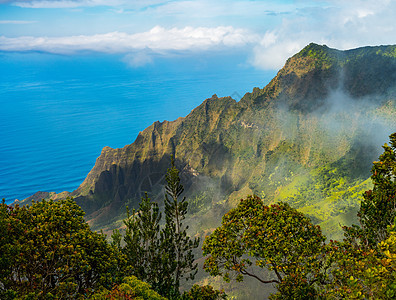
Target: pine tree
{"x": 142, "y": 242}
{"x": 177, "y": 246}
{"x": 164, "y": 257}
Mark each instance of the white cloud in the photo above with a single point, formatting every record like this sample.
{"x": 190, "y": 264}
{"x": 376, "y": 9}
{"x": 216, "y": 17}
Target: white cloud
{"x": 274, "y": 56}
{"x": 340, "y": 24}
{"x": 281, "y": 28}
{"x": 157, "y": 39}
{"x": 139, "y": 59}
{"x": 17, "y": 22}
{"x": 66, "y": 3}
{"x": 82, "y": 3}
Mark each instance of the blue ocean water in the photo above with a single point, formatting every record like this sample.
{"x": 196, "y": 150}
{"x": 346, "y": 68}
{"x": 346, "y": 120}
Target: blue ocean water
{"x": 58, "y": 112}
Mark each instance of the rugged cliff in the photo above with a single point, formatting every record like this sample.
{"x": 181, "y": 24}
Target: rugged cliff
{"x": 308, "y": 138}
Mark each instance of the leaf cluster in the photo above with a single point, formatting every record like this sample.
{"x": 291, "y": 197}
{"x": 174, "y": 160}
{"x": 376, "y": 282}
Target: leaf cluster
{"x": 48, "y": 250}
{"x": 365, "y": 262}
{"x": 206, "y": 292}
{"x": 130, "y": 288}
{"x": 277, "y": 238}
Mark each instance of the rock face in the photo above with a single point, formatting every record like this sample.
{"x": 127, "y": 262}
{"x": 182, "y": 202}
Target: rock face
{"x": 325, "y": 111}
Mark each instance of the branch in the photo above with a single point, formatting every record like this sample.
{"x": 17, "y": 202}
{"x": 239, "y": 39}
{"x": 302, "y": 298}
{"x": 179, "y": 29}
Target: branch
{"x": 244, "y": 272}
{"x": 276, "y": 272}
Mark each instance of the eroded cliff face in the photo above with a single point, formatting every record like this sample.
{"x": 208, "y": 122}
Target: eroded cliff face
{"x": 324, "y": 108}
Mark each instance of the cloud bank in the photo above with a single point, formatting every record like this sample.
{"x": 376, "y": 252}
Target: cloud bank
{"x": 340, "y": 24}
{"x": 23, "y": 22}
{"x": 82, "y": 3}
{"x": 271, "y": 31}
{"x": 65, "y": 3}
{"x": 157, "y": 39}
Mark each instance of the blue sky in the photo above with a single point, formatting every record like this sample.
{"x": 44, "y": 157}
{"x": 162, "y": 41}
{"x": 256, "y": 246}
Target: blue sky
{"x": 268, "y": 31}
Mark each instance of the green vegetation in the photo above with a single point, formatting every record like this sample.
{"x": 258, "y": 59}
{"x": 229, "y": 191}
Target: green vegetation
{"x": 161, "y": 257}
{"x": 275, "y": 237}
{"x": 205, "y": 292}
{"x": 177, "y": 245}
{"x": 303, "y": 266}
{"x": 323, "y": 55}
{"x": 365, "y": 260}
{"x": 49, "y": 252}
{"x": 130, "y": 288}
{"x": 142, "y": 243}
{"x": 378, "y": 209}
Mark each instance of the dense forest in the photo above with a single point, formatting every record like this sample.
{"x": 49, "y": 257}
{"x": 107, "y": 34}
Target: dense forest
{"x": 48, "y": 251}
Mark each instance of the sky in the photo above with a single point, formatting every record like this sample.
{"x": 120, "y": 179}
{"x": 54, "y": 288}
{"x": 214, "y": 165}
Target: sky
{"x": 141, "y": 31}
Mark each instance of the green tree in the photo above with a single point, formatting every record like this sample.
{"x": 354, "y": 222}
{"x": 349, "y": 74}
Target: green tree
{"x": 363, "y": 264}
{"x": 206, "y": 292}
{"x": 177, "y": 246}
{"x": 378, "y": 208}
{"x": 142, "y": 242}
{"x": 131, "y": 288}
{"x": 48, "y": 250}
{"x": 361, "y": 273}
{"x": 277, "y": 238}
{"x": 160, "y": 257}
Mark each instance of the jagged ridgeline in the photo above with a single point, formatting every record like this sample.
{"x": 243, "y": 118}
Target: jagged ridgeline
{"x": 309, "y": 138}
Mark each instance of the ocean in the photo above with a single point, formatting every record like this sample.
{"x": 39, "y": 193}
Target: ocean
{"x": 58, "y": 112}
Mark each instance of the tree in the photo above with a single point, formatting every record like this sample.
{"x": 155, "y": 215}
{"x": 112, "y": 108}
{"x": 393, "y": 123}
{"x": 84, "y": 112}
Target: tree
{"x": 206, "y": 292}
{"x": 142, "y": 242}
{"x": 378, "y": 208}
{"x": 48, "y": 250}
{"x": 360, "y": 273}
{"x": 177, "y": 246}
{"x": 364, "y": 263}
{"x": 277, "y": 238}
{"x": 131, "y": 288}
{"x": 160, "y": 257}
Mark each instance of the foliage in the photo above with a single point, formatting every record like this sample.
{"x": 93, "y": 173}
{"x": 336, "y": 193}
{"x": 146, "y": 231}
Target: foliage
{"x": 326, "y": 57}
{"x": 364, "y": 274}
{"x": 378, "y": 209}
{"x": 142, "y": 244}
{"x": 176, "y": 245}
{"x": 160, "y": 257}
{"x": 275, "y": 237}
{"x": 364, "y": 263}
{"x": 48, "y": 250}
{"x": 205, "y": 292}
{"x": 121, "y": 265}
{"x": 131, "y": 288}
{"x": 385, "y": 269}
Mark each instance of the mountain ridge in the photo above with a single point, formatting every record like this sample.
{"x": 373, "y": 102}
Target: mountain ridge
{"x": 269, "y": 143}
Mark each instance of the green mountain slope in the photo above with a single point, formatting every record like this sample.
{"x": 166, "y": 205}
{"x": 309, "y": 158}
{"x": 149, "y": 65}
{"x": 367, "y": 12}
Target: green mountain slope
{"x": 308, "y": 137}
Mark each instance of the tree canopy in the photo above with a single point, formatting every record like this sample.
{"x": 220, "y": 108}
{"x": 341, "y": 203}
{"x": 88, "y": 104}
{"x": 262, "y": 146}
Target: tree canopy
{"x": 47, "y": 249}
{"x": 378, "y": 208}
{"x": 276, "y": 237}
{"x": 364, "y": 263}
